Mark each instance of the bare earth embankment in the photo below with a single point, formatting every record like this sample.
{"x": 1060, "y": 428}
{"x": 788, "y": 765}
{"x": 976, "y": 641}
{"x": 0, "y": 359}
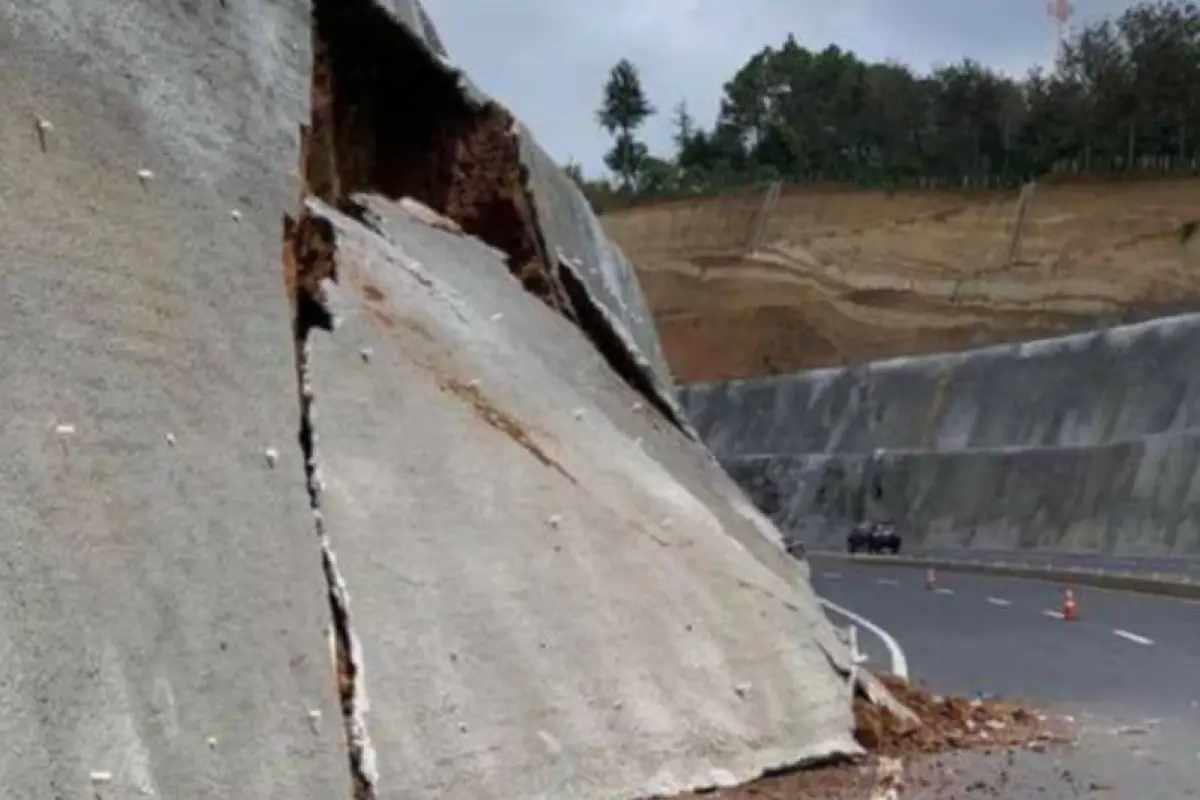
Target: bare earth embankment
{"x": 744, "y": 286}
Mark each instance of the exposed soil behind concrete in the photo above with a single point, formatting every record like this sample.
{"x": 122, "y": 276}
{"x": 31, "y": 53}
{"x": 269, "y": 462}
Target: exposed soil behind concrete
{"x": 845, "y": 276}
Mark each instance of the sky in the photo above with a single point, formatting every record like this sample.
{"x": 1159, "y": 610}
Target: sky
{"x": 547, "y": 60}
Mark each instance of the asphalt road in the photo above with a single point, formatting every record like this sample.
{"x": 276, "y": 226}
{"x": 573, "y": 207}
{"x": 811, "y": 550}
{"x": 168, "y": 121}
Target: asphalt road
{"x": 1128, "y": 669}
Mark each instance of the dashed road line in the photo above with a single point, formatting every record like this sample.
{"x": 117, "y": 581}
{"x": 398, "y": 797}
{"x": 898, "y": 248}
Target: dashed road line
{"x": 887, "y": 581}
{"x": 999, "y": 601}
{"x": 895, "y": 652}
{"x": 1054, "y": 614}
{"x": 944, "y": 591}
{"x": 1133, "y": 637}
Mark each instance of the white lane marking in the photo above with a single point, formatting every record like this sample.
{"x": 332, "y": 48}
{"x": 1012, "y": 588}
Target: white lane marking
{"x": 887, "y": 581}
{"x": 833, "y": 576}
{"x": 1133, "y": 637}
{"x": 895, "y": 652}
{"x": 944, "y": 591}
{"x": 999, "y": 601}
{"x": 1054, "y": 614}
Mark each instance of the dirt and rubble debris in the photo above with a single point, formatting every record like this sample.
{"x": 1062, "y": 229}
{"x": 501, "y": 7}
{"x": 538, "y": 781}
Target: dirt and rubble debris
{"x": 912, "y": 758}
{"x": 947, "y": 723}
{"x": 390, "y": 119}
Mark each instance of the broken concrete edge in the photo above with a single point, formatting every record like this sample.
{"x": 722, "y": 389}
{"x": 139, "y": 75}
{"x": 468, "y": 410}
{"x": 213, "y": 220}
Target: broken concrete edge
{"x": 632, "y": 364}
{"x": 645, "y": 380}
{"x": 1099, "y": 580}
{"x": 873, "y": 689}
{"x": 861, "y": 682}
{"x": 778, "y": 762}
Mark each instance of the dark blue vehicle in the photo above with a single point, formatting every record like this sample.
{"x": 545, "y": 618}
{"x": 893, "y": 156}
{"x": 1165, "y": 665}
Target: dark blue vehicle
{"x": 874, "y": 538}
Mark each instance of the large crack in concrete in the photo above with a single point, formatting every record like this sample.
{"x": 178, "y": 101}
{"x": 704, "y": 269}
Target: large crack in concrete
{"x": 386, "y": 119}
{"x": 308, "y": 256}
{"x": 389, "y": 118}
{"x": 392, "y": 119}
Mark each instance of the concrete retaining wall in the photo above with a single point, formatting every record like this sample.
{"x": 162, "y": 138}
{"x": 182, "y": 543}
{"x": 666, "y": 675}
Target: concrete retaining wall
{"x": 1090, "y": 388}
{"x": 1134, "y": 498}
{"x": 1084, "y": 443}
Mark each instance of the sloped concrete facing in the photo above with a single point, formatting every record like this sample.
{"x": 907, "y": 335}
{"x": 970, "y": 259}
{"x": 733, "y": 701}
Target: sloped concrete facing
{"x": 558, "y": 594}
{"x": 163, "y": 617}
{"x": 1091, "y": 388}
{"x": 163, "y": 612}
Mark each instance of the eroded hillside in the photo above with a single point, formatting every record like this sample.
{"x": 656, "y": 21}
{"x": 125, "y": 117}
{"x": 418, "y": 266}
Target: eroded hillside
{"x": 763, "y": 283}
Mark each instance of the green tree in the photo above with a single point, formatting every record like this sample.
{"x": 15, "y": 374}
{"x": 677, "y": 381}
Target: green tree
{"x": 1125, "y": 94}
{"x": 622, "y": 111}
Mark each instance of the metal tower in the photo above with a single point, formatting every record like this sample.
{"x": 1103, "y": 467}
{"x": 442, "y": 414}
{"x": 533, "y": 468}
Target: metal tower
{"x": 1060, "y": 11}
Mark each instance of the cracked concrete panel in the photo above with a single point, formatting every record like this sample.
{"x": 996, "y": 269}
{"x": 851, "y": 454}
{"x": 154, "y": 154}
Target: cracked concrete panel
{"x": 568, "y": 229}
{"x": 415, "y": 18}
{"x": 557, "y": 594}
{"x": 1086, "y": 389}
{"x": 571, "y": 232}
{"x": 162, "y": 610}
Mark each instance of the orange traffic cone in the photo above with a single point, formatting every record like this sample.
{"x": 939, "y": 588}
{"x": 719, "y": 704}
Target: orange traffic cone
{"x": 930, "y": 580}
{"x": 1069, "y": 610}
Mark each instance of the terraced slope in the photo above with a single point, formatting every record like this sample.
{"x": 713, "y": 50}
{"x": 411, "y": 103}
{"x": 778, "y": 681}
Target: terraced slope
{"x": 828, "y": 275}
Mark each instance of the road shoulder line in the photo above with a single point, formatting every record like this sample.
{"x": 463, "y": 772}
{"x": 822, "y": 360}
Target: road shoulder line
{"x": 1133, "y": 637}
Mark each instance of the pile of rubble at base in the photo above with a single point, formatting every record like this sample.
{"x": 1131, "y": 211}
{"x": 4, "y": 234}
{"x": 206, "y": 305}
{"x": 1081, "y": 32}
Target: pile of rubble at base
{"x": 910, "y": 759}
{"x": 948, "y": 723}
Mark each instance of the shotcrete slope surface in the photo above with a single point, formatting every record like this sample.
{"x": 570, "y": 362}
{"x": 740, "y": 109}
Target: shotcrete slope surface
{"x": 553, "y": 591}
{"x": 546, "y": 563}
{"x": 155, "y": 593}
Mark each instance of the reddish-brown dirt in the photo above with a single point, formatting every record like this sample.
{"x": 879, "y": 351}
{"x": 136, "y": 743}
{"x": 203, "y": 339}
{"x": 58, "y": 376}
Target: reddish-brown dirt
{"x": 908, "y": 756}
{"x": 388, "y": 120}
{"x": 832, "y": 275}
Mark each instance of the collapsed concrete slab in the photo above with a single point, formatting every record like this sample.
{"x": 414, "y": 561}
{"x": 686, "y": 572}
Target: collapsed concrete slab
{"x": 1087, "y": 389}
{"x": 557, "y": 594}
{"x": 163, "y": 618}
